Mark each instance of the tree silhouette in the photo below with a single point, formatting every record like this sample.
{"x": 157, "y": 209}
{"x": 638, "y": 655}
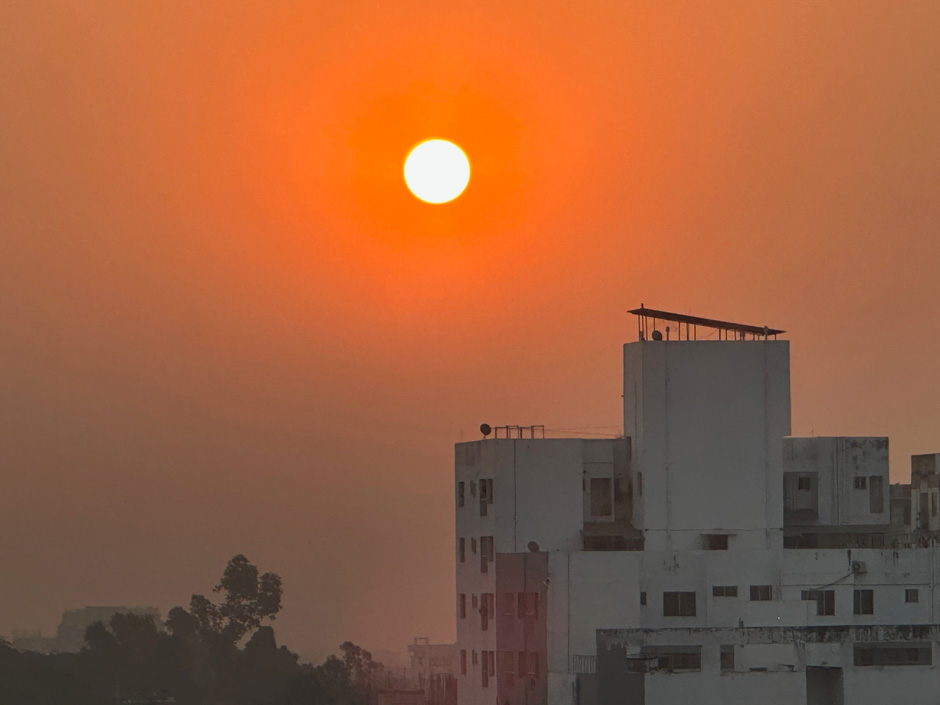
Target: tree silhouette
{"x": 250, "y": 598}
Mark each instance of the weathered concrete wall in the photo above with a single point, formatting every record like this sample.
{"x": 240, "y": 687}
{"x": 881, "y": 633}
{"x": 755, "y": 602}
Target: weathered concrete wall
{"x": 925, "y": 492}
{"x": 770, "y": 666}
{"x": 707, "y": 421}
{"x": 518, "y": 632}
{"x": 836, "y": 463}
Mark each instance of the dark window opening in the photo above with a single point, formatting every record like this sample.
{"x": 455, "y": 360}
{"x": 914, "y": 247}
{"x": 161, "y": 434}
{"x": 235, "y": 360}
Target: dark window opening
{"x": 505, "y": 663}
{"x": 487, "y": 610}
{"x": 528, "y": 663}
{"x": 601, "y": 505}
{"x": 486, "y": 553}
{"x": 671, "y": 659}
{"x": 896, "y": 654}
{"x": 876, "y": 495}
{"x": 643, "y": 598}
{"x": 678, "y": 604}
{"x": 727, "y": 657}
{"x": 804, "y": 483}
{"x": 911, "y": 595}
{"x": 462, "y": 606}
{"x": 605, "y": 543}
{"x": 724, "y": 591}
{"x": 460, "y": 497}
{"x": 715, "y": 542}
{"x": 762, "y": 593}
{"x": 825, "y": 601}
{"x": 864, "y": 602}
{"x": 486, "y": 496}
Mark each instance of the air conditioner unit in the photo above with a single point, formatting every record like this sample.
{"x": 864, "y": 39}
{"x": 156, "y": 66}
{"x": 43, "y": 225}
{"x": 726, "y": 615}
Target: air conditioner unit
{"x": 858, "y": 567}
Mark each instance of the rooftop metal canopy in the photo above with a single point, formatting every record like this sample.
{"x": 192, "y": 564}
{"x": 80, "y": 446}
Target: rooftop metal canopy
{"x": 647, "y": 317}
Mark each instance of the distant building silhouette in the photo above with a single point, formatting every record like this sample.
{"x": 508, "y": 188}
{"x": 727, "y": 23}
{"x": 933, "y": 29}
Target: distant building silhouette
{"x": 70, "y": 635}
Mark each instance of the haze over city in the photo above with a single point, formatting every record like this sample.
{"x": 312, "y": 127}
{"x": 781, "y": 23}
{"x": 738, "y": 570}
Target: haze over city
{"x": 228, "y": 327}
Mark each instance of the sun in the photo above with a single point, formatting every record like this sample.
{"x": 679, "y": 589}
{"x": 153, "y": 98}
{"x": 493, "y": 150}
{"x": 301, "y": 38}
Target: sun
{"x": 437, "y": 171}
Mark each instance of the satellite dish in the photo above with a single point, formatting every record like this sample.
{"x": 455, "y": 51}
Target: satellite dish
{"x": 657, "y": 335}
{"x": 533, "y": 546}
{"x": 485, "y": 429}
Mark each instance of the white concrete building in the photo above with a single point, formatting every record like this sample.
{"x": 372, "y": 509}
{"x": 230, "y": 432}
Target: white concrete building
{"x": 705, "y": 557}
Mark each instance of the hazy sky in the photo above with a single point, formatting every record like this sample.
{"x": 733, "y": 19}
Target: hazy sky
{"x": 227, "y": 327}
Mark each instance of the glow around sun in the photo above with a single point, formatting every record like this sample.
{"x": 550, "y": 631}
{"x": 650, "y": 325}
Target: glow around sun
{"x": 437, "y": 171}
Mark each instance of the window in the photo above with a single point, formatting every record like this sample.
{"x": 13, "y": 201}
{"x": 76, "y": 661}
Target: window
{"x": 463, "y": 662}
{"x": 488, "y": 659}
{"x": 825, "y": 601}
{"x": 727, "y": 657}
{"x": 893, "y": 654}
{"x": 911, "y": 595}
{"x": 460, "y": 499}
{"x": 486, "y": 495}
{"x": 724, "y": 591}
{"x": 505, "y": 662}
{"x": 461, "y": 549}
{"x": 462, "y": 605}
{"x": 668, "y": 658}
{"x": 486, "y": 553}
{"x": 876, "y": 494}
{"x": 528, "y": 605}
{"x": 762, "y": 593}
{"x": 804, "y": 483}
{"x": 678, "y": 604}
{"x": 864, "y": 602}
{"x": 528, "y": 663}
{"x": 714, "y": 542}
{"x": 487, "y": 610}
{"x": 861, "y": 483}
{"x": 474, "y": 658}
{"x": 601, "y": 505}
{"x": 605, "y": 543}
{"x": 486, "y": 547}
{"x": 643, "y": 598}
{"x": 473, "y": 545}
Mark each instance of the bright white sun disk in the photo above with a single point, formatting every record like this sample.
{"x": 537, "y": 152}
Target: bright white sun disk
{"x": 437, "y": 171}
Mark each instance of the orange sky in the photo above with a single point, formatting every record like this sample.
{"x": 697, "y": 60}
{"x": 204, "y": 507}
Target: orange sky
{"x": 227, "y": 326}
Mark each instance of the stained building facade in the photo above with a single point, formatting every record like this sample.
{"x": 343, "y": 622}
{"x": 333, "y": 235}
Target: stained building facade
{"x": 705, "y": 556}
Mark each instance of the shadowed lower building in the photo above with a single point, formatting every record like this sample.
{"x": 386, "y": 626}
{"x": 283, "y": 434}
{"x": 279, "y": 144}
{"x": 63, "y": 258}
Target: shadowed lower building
{"x": 706, "y": 556}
